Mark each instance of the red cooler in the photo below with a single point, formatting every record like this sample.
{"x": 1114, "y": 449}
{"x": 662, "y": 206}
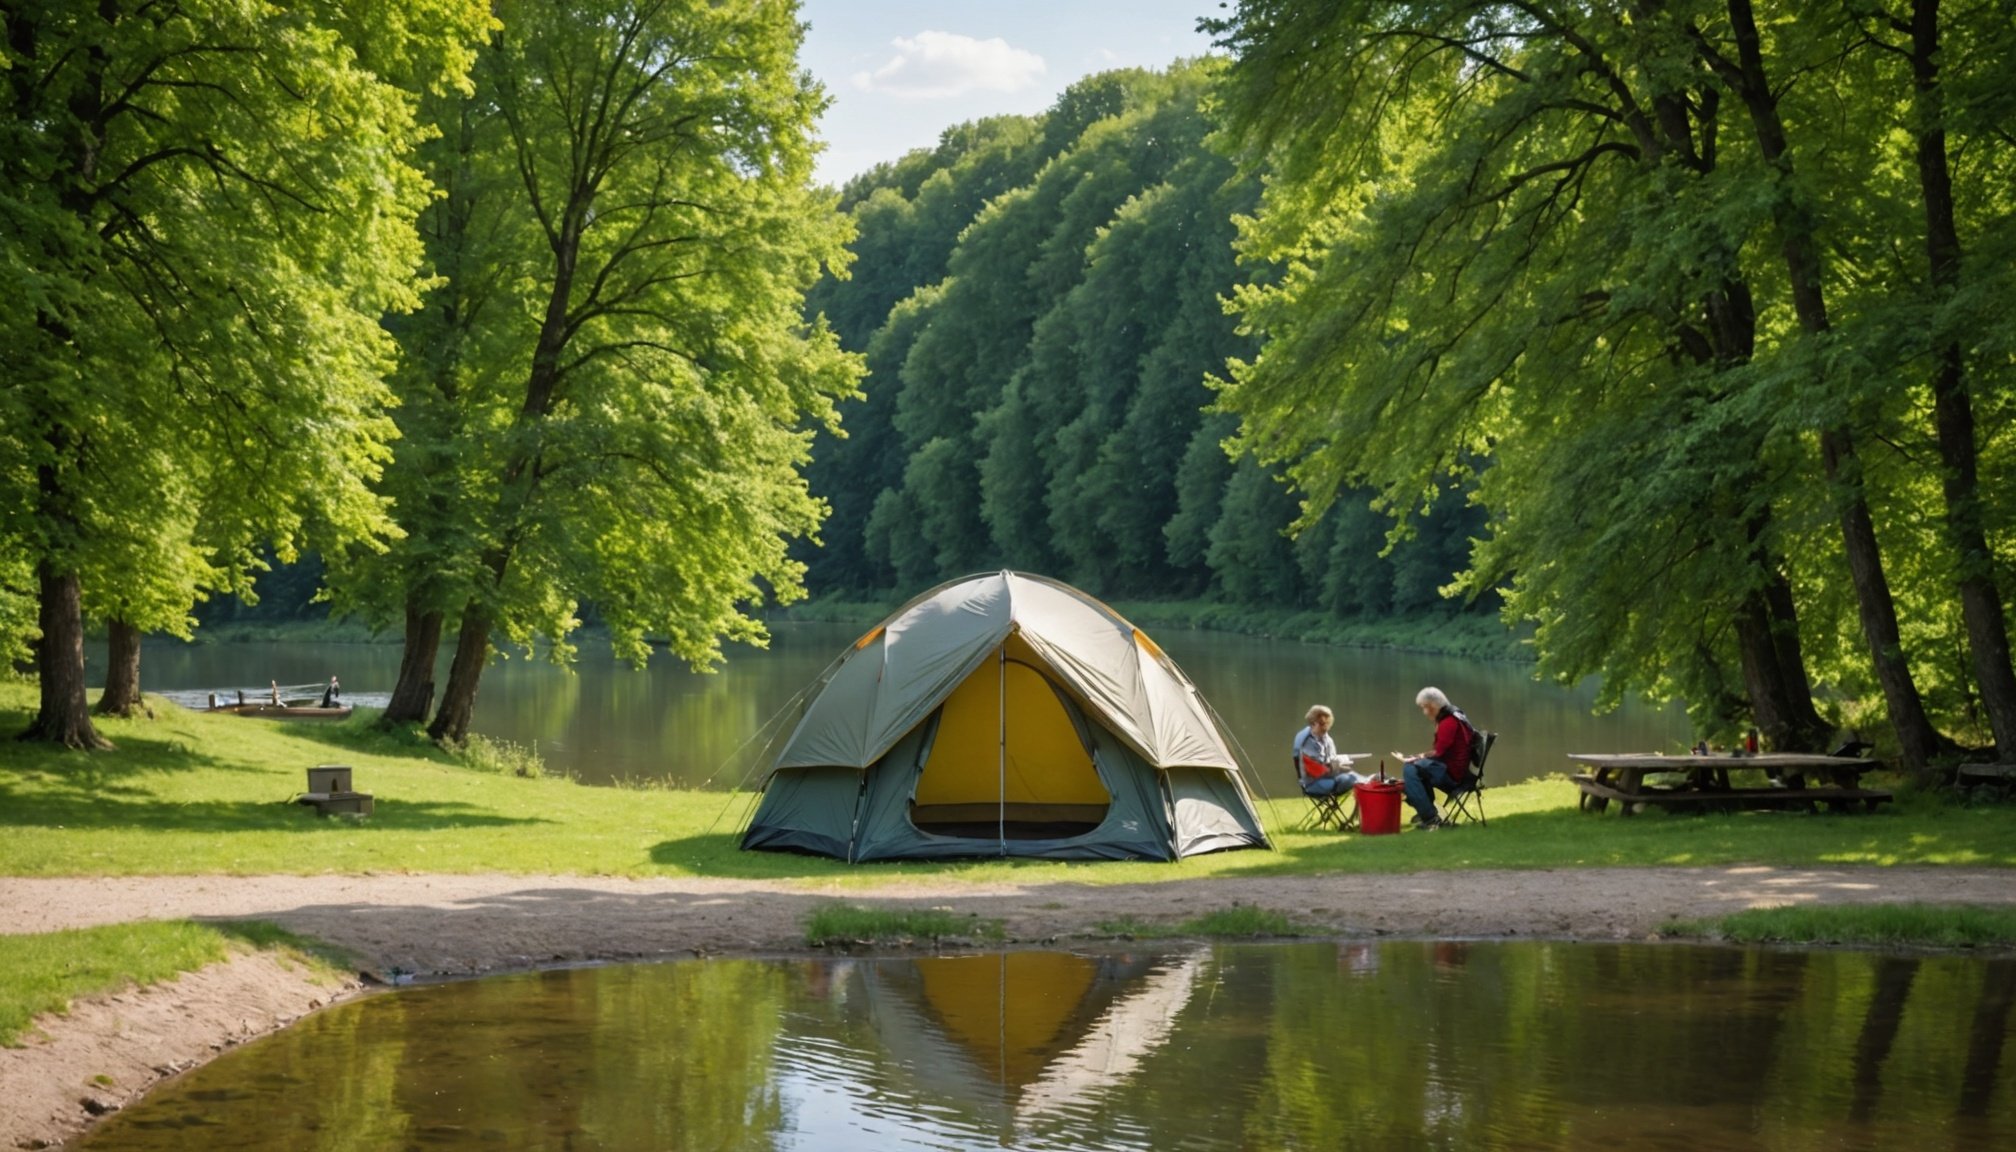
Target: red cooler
{"x": 1378, "y": 807}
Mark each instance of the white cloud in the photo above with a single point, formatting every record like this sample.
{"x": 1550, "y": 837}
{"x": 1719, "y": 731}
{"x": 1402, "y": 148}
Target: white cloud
{"x": 936, "y": 65}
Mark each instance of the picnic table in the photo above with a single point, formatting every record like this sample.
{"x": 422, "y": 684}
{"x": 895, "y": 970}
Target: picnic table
{"x": 1792, "y": 780}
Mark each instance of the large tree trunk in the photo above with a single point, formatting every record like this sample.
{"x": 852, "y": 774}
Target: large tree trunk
{"x": 65, "y": 715}
{"x": 1774, "y": 671}
{"x": 1809, "y": 732}
{"x": 122, "y": 670}
{"x": 413, "y": 693}
{"x": 521, "y": 476}
{"x": 1916, "y": 739}
{"x": 1876, "y": 608}
{"x": 1952, "y": 408}
{"x": 458, "y": 700}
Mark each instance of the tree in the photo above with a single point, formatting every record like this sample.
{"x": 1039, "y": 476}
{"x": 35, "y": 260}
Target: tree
{"x": 208, "y": 209}
{"x": 1946, "y": 312}
{"x": 1737, "y": 57}
{"x": 645, "y": 452}
{"x": 1019, "y": 259}
{"x": 461, "y": 351}
{"x": 907, "y": 218}
{"x": 1504, "y": 234}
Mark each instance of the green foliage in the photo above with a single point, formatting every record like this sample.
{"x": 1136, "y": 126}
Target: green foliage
{"x": 1469, "y": 634}
{"x": 17, "y": 610}
{"x": 210, "y": 209}
{"x": 503, "y": 757}
{"x": 1538, "y": 251}
{"x": 1037, "y": 391}
{"x": 1874, "y": 925}
{"x": 611, "y": 389}
{"x": 853, "y": 924}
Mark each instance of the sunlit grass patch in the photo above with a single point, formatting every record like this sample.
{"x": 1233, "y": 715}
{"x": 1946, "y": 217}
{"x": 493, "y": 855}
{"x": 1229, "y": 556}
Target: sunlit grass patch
{"x": 852, "y": 924}
{"x": 43, "y": 973}
{"x": 502, "y": 757}
{"x": 1919, "y": 925}
{"x": 191, "y": 793}
{"x": 1239, "y": 922}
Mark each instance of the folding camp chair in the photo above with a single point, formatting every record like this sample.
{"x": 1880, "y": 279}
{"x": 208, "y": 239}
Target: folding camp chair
{"x": 1326, "y": 810}
{"x": 1466, "y": 801}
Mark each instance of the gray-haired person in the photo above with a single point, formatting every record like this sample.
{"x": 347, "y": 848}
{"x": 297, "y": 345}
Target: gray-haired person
{"x": 1445, "y": 766}
{"x": 1318, "y": 766}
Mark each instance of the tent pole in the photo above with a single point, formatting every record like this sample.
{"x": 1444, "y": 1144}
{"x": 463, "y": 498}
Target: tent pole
{"x": 1001, "y": 783}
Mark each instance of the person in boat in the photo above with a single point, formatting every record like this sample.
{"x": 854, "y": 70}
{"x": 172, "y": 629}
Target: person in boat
{"x": 332, "y": 694}
{"x": 1320, "y": 769}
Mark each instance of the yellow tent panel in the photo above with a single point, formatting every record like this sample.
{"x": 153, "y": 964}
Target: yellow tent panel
{"x": 1047, "y": 771}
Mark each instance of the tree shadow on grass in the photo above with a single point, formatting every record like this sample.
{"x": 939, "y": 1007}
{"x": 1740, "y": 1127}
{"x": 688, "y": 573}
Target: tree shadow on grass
{"x": 718, "y": 854}
{"x": 110, "y": 770}
{"x": 137, "y": 810}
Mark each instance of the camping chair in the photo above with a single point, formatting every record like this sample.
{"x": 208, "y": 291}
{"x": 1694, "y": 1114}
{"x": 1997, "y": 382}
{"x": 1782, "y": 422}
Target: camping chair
{"x": 1325, "y": 810}
{"x": 1466, "y": 801}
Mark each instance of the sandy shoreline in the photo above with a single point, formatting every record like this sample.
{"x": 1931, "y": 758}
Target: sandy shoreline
{"x": 465, "y": 925}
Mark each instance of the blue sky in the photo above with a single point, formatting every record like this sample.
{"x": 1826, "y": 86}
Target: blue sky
{"x": 901, "y": 71}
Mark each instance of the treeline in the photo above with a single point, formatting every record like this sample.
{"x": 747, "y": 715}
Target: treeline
{"x": 496, "y": 305}
{"x": 1041, "y": 304}
{"x": 1721, "y": 290}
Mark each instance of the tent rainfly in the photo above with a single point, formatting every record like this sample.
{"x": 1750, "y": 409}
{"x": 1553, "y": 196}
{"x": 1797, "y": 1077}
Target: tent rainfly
{"x": 1005, "y": 715}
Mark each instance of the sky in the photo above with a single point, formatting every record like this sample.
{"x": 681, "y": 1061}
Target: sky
{"x": 902, "y": 71}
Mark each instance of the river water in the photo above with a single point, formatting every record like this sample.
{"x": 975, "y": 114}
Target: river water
{"x": 603, "y": 721}
{"x": 1374, "y": 1045}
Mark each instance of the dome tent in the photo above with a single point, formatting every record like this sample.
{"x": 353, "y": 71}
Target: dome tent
{"x": 1005, "y": 715}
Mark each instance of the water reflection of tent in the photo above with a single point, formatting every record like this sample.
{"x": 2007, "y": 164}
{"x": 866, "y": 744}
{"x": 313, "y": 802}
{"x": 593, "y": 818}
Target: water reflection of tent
{"x": 1005, "y": 715}
{"x": 1029, "y": 1033}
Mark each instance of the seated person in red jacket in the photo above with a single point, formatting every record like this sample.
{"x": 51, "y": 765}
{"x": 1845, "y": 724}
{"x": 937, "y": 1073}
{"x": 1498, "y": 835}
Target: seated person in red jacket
{"x": 1446, "y": 766}
{"x": 1318, "y": 766}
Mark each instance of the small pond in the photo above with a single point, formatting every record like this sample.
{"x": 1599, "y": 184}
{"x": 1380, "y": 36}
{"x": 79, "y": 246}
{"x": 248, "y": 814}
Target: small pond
{"x": 1394, "y": 1045}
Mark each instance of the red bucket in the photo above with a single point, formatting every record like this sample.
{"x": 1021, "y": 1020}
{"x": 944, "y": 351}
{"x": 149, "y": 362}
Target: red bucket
{"x": 1378, "y": 808}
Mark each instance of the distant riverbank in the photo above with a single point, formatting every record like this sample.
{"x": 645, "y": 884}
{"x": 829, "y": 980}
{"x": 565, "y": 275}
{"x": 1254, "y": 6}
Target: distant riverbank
{"x": 1474, "y": 636}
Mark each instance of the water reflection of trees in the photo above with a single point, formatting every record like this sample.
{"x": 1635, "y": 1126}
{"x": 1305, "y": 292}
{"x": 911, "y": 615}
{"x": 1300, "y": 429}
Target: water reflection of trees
{"x": 1392, "y": 1044}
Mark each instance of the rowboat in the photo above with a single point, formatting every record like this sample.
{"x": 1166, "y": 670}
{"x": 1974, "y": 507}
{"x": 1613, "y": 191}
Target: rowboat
{"x": 285, "y": 711}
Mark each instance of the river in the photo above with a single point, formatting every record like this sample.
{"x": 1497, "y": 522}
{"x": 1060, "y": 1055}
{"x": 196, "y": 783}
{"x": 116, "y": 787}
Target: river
{"x": 603, "y": 721}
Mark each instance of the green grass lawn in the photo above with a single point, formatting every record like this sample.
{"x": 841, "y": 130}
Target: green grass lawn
{"x": 196, "y": 793}
{"x": 192, "y": 793}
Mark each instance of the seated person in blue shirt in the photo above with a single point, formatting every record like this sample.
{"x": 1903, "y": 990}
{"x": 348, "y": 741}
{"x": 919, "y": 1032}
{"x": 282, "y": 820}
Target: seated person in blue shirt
{"x": 1319, "y": 767}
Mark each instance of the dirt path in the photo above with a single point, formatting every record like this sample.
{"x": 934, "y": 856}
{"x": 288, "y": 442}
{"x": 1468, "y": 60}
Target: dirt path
{"x": 451, "y": 925}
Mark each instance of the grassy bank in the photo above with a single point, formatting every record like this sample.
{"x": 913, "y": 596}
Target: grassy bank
{"x": 43, "y": 973}
{"x": 1878, "y": 925}
{"x": 1479, "y": 637}
{"x": 193, "y": 793}
{"x": 197, "y": 793}
{"x": 323, "y": 631}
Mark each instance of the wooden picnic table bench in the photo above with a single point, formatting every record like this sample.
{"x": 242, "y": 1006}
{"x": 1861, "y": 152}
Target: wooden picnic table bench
{"x": 1702, "y": 783}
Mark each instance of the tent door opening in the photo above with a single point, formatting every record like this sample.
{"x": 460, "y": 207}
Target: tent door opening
{"x": 1009, "y": 759}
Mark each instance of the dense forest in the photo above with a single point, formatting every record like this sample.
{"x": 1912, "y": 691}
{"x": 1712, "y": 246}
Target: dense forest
{"x": 1041, "y": 303}
{"x": 1682, "y": 340}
